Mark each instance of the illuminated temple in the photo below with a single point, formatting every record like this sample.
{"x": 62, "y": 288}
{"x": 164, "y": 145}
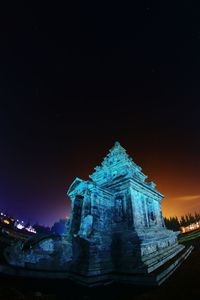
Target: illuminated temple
{"x": 116, "y": 231}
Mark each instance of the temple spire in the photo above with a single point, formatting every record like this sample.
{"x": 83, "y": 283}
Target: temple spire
{"x": 116, "y": 163}
{"x": 116, "y": 153}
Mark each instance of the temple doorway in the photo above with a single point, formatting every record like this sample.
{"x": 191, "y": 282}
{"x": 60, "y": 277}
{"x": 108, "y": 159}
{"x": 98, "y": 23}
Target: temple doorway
{"x": 78, "y": 203}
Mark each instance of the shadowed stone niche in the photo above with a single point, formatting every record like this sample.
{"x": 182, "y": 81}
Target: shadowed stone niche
{"x": 116, "y": 231}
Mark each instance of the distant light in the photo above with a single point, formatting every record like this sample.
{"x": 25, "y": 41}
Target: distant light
{"x": 190, "y": 227}
{"x": 19, "y": 226}
{"x": 6, "y": 222}
{"x": 30, "y": 229}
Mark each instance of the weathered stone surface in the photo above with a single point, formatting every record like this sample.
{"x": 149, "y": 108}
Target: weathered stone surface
{"x": 116, "y": 227}
{"x": 48, "y": 253}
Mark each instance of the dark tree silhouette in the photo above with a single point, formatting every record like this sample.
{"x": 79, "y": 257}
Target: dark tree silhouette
{"x": 40, "y": 229}
{"x": 60, "y": 227}
{"x": 174, "y": 223}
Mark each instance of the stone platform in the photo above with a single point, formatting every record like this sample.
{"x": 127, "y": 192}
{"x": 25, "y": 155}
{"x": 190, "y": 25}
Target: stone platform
{"x": 154, "y": 278}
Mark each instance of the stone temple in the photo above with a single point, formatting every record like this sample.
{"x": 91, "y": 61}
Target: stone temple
{"x": 116, "y": 231}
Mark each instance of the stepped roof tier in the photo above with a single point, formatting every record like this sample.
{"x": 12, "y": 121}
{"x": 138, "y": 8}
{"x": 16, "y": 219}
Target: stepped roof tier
{"x": 118, "y": 163}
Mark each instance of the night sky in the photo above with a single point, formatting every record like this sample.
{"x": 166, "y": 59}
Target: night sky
{"x": 74, "y": 79}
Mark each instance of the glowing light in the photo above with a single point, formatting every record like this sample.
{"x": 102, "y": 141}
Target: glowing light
{"x": 6, "y": 222}
{"x": 190, "y": 227}
{"x": 20, "y": 226}
{"x": 30, "y": 229}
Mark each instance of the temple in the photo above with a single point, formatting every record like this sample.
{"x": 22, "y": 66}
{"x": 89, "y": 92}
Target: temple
{"x": 118, "y": 215}
{"x": 116, "y": 231}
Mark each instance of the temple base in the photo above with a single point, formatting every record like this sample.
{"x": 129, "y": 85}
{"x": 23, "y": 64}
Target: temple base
{"x": 154, "y": 278}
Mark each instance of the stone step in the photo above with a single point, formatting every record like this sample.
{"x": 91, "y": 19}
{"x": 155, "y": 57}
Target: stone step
{"x": 155, "y": 278}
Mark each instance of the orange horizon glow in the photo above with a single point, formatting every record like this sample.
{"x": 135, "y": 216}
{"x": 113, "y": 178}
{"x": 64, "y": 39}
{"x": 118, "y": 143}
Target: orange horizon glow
{"x": 173, "y": 207}
{"x": 176, "y": 179}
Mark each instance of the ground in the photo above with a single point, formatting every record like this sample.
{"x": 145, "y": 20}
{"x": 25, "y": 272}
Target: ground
{"x": 183, "y": 284}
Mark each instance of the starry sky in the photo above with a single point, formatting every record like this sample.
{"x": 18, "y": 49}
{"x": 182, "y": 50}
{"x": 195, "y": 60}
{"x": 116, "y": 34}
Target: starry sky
{"x": 76, "y": 78}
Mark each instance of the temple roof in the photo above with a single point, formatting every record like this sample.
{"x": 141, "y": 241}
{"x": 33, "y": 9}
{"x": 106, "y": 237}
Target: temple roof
{"x": 116, "y": 166}
{"x": 117, "y": 163}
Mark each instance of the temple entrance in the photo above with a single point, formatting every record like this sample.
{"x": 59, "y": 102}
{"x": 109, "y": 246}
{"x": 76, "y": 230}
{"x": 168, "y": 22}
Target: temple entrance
{"x": 78, "y": 203}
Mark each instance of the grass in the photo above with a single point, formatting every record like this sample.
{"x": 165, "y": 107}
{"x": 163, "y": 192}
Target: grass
{"x": 189, "y": 236}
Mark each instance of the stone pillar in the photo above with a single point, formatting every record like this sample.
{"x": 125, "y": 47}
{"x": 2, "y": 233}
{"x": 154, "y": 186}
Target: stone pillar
{"x": 129, "y": 210}
{"x": 135, "y": 208}
{"x": 162, "y": 223}
{"x": 158, "y": 213}
{"x": 86, "y": 204}
{"x": 146, "y": 211}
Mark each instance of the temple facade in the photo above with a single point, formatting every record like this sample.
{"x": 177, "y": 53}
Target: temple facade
{"x": 118, "y": 215}
{"x": 116, "y": 232}
{"x": 117, "y": 197}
